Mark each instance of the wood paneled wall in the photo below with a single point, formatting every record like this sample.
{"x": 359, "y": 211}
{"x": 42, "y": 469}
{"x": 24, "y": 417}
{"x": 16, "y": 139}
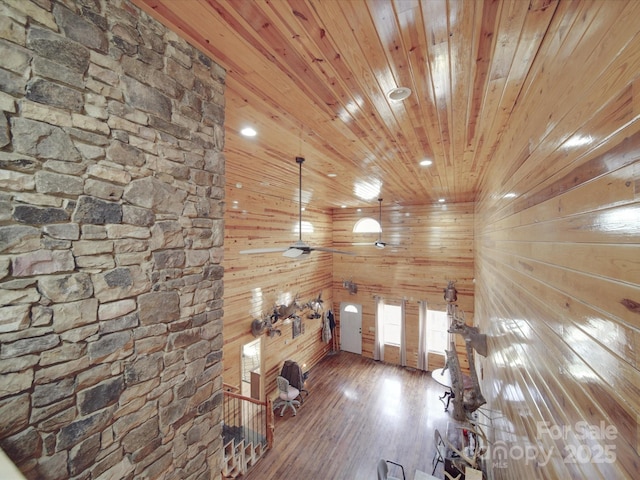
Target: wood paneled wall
{"x": 558, "y": 267}
{"x": 255, "y": 283}
{"x": 434, "y": 245}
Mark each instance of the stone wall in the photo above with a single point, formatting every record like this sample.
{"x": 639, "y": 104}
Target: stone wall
{"x": 111, "y": 233}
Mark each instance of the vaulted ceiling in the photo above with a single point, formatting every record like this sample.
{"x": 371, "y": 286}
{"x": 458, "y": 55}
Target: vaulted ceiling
{"x": 312, "y": 77}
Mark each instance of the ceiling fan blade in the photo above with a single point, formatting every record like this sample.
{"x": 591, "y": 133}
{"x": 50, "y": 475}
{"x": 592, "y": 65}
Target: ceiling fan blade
{"x": 263, "y": 250}
{"x": 331, "y": 250}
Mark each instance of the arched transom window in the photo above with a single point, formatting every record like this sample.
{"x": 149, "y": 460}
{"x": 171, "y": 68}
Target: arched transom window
{"x": 367, "y": 225}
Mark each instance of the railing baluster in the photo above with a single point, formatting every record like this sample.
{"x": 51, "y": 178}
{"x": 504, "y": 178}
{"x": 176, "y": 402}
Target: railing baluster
{"x": 238, "y": 410}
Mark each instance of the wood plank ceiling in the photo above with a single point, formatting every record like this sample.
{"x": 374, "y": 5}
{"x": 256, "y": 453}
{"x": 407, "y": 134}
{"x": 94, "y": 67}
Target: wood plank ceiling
{"x": 311, "y": 76}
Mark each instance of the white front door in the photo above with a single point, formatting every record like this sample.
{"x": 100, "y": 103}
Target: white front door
{"x": 351, "y": 327}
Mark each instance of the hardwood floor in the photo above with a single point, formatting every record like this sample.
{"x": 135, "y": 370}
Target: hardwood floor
{"x": 357, "y": 412}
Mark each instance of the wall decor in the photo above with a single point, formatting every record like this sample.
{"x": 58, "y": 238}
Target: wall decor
{"x": 315, "y": 305}
{"x": 258, "y": 327}
{"x": 297, "y": 327}
{"x": 350, "y": 286}
{"x": 465, "y": 400}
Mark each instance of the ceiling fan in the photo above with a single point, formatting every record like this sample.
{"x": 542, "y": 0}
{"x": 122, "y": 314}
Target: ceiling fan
{"x": 298, "y": 248}
{"x": 378, "y": 243}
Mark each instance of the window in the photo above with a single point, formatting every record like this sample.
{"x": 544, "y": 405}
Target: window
{"x": 367, "y": 225}
{"x": 437, "y": 334}
{"x": 307, "y": 227}
{"x": 391, "y": 324}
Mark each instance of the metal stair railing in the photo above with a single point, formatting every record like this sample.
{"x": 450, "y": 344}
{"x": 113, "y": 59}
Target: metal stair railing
{"x": 248, "y": 426}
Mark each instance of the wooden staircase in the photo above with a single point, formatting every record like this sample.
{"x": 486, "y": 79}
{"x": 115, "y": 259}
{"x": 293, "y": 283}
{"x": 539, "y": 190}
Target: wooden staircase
{"x": 238, "y": 457}
{"x": 247, "y": 433}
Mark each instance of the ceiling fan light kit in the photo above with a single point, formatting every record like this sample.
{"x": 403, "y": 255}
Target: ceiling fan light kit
{"x": 298, "y": 248}
{"x": 378, "y": 243}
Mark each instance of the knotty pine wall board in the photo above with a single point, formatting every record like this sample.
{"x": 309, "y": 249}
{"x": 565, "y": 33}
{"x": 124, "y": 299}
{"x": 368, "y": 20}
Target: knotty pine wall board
{"x": 558, "y": 267}
{"x": 435, "y": 245}
{"x": 254, "y": 284}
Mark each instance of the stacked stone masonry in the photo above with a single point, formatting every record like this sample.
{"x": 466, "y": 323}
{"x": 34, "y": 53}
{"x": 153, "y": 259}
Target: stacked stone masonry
{"x": 111, "y": 241}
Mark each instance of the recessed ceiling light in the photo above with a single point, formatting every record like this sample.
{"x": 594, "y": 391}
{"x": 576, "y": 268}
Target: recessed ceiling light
{"x": 359, "y": 210}
{"x": 510, "y": 195}
{"x": 332, "y": 175}
{"x": 343, "y": 206}
{"x": 248, "y": 132}
{"x": 398, "y": 94}
{"x": 578, "y": 141}
{"x": 425, "y": 163}
{"x": 238, "y": 185}
{"x": 367, "y": 190}
{"x": 441, "y": 200}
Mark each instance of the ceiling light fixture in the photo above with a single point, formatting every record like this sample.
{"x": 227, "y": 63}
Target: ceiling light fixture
{"x": 332, "y": 175}
{"x": 248, "y": 132}
{"x": 367, "y": 190}
{"x": 441, "y": 200}
{"x": 426, "y": 163}
{"x": 578, "y": 141}
{"x": 398, "y": 94}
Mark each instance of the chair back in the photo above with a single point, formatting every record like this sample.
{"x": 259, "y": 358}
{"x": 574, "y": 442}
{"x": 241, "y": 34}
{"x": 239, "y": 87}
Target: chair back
{"x": 383, "y": 470}
{"x": 292, "y": 372}
{"x": 283, "y": 384}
